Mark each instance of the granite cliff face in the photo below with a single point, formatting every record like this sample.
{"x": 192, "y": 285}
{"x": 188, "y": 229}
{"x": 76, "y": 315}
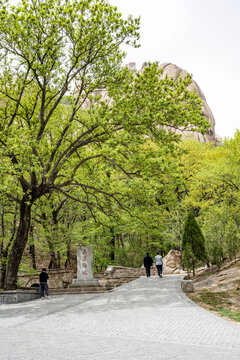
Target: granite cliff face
{"x": 173, "y": 71}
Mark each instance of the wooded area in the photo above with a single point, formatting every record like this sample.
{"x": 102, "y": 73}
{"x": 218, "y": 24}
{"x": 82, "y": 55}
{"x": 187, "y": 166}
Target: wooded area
{"x": 112, "y": 175}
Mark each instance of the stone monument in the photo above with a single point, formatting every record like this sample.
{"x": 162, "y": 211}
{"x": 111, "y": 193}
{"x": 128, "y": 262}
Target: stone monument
{"x": 84, "y": 267}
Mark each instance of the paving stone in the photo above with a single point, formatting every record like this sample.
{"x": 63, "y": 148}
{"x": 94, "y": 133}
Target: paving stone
{"x": 148, "y": 318}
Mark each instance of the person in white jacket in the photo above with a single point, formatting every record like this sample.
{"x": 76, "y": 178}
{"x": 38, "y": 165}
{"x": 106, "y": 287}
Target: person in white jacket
{"x": 159, "y": 264}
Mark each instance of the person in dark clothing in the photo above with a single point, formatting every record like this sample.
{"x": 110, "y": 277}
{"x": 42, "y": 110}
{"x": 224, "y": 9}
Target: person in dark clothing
{"x": 148, "y": 261}
{"x": 43, "y": 277}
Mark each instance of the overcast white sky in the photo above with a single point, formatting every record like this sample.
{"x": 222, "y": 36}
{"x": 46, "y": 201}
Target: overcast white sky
{"x": 200, "y": 36}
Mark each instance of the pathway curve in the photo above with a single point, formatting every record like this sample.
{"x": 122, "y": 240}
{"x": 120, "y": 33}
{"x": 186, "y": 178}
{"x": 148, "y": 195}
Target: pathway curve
{"x": 149, "y": 318}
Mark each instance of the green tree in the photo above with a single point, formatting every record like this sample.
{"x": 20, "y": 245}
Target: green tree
{"x": 8, "y": 213}
{"x": 50, "y": 50}
{"x": 212, "y": 190}
{"x": 221, "y": 234}
{"x": 189, "y": 260}
{"x": 55, "y": 54}
{"x": 193, "y": 243}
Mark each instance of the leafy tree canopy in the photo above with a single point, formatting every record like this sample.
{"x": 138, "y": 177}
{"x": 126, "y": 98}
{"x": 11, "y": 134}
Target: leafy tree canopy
{"x": 55, "y": 55}
{"x": 193, "y": 240}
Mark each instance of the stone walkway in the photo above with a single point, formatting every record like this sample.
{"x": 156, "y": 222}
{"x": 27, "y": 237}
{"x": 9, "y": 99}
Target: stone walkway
{"x": 149, "y": 318}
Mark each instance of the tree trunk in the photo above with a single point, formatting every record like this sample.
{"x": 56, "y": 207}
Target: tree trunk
{"x": 33, "y": 256}
{"x": 2, "y": 258}
{"x": 18, "y": 246}
{"x": 2, "y": 277}
{"x": 58, "y": 260}
{"x": 68, "y": 260}
{"x": 53, "y": 262}
{"x": 112, "y": 244}
{"x": 71, "y": 261}
{"x": 32, "y": 248}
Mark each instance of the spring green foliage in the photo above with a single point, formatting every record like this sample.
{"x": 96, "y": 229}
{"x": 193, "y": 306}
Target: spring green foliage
{"x": 50, "y": 51}
{"x": 55, "y": 55}
{"x": 189, "y": 260}
{"x": 48, "y": 55}
{"x": 212, "y": 189}
{"x": 222, "y": 237}
{"x": 193, "y": 244}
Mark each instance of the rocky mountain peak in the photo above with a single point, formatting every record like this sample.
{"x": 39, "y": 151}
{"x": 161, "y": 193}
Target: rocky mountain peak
{"x": 173, "y": 70}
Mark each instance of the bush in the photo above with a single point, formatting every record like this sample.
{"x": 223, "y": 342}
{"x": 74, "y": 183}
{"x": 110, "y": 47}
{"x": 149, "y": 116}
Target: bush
{"x": 193, "y": 244}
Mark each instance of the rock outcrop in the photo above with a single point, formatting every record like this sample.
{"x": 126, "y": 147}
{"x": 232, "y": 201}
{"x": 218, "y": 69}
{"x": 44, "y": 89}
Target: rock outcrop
{"x": 173, "y": 71}
{"x": 222, "y": 280}
{"x": 172, "y": 263}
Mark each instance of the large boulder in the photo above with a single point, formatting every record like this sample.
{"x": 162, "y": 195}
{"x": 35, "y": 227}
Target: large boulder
{"x": 172, "y": 263}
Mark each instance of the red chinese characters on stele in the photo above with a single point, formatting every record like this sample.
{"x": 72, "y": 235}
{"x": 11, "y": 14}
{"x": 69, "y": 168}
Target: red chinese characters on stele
{"x": 84, "y": 262}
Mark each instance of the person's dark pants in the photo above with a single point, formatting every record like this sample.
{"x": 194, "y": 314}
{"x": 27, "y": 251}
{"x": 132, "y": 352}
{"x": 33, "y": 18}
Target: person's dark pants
{"x": 159, "y": 269}
{"x": 43, "y": 287}
{"x": 148, "y": 270}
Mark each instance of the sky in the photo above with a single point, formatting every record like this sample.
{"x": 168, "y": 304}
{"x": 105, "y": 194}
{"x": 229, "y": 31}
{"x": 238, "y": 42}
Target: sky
{"x": 200, "y": 36}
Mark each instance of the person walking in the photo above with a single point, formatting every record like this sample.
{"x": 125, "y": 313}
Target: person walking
{"x": 43, "y": 277}
{"x": 159, "y": 264}
{"x": 148, "y": 261}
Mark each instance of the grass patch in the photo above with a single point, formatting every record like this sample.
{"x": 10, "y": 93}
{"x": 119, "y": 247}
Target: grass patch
{"x": 223, "y": 303}
{"x": 213, "y": 299}
{"x": 219, "y": 302}
{"x": 233, "y": 315}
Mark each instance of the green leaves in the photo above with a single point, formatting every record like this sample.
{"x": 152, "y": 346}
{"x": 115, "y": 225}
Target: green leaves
{"x": 212, "y": 190}
{"x": 193, "y": 243}
{"x": 158, "y": 105}
{"x": 112, "y": 151}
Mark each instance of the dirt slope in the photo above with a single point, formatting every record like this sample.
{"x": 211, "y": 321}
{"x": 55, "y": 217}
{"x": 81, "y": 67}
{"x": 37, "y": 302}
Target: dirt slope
{"x": 219, "y": 290}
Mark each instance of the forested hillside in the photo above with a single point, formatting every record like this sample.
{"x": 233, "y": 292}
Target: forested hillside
{"x": 113, "y": 175}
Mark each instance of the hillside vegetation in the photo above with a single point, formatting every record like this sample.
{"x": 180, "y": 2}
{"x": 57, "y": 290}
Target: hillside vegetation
{"x": 219, "y": 290}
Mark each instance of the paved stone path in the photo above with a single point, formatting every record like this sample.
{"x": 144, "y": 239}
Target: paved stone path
{"x": 149, "y": 318}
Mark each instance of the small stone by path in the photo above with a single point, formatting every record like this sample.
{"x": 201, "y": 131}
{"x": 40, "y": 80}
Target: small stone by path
{"x": 149, "y": 318}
